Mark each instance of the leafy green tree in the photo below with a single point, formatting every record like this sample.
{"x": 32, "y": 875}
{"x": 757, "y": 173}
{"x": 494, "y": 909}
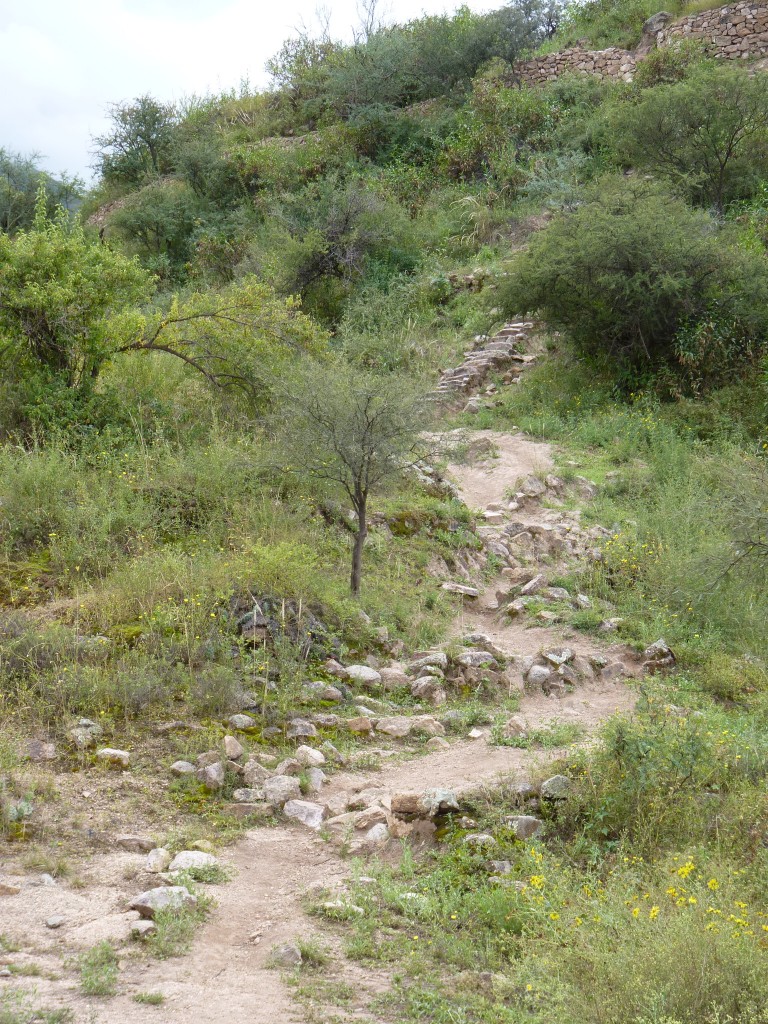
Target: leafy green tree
{"x": 68, "y": 305}
{"x": 138, "y": 145}
{"x": 58, "y": 291}
{"x": 630, "y": 268}
{"x": 350, "y": 429}
{"x": 157, "y": 224}
{"x": 708, "y": 133}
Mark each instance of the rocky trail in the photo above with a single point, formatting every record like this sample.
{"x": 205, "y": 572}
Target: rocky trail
{"x": 509, "y": 638}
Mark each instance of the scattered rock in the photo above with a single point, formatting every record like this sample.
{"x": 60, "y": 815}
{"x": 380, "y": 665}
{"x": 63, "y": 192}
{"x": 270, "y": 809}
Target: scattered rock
{"x": 174, "y": 897}
{"x": 361, "y": 725}
{"x": 143, "y": 929}
{"x": 280, "y": 788}
{"x": 86, "y": 734}
{"x": 179, "y": 768}
{"x": 287, "y": 954}
{"x": 309, "y": 814}
{"x": 191, "y": 859}
{"x": 558, "y": 656}
{"x": 242, "y": 722}
{"x": 233, "y": 748}
{"x": 364, "y": 676}
{"x": 479, "y": 840}
{"x": 659, "y": 657}
{"x": 438, "y": 659}
{"x": 114, "y": 928}
{"x": 300, "y": 728}
{"x": 332, "y": 754}
{"x": 55, "y": 922}
{"x": 158, "y": 860}
{"x": 39, "y": 750}
{"x": 437, "y": 743}
{"x": 247, "y": 796}
{"x": 426, "y": 725}
{"x": 135, "y": 844}
{"x": 290, "y": 766}
{"x": 309, "y": 757}
{"x": 558, "y": 787}
{"x": 393, "y": 678}
{"x": 113, "y": 757}
{"x": 212, "y": 776}
{"x": 525, "y": 826}
{"x": 460, "y": 588}
{"x": 9, "y": 888}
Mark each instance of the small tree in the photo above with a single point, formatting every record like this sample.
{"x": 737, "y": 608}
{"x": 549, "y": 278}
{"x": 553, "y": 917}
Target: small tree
{"x": 352, "y": 429}
{"x": 138, "y": 145}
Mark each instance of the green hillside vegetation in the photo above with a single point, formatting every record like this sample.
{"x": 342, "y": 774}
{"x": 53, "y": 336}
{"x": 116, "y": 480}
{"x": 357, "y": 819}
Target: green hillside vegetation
{"x": 251, "y": 261}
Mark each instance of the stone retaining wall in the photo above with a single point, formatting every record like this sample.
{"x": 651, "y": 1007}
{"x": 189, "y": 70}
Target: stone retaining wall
{"x": 738, "y": 31}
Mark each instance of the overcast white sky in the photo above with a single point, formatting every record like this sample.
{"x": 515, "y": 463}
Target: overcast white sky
{"x": 62, "y": 64}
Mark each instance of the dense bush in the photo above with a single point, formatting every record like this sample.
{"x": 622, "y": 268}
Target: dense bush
{"x": 626, "y": 272}
{"x": 708, "y": 134}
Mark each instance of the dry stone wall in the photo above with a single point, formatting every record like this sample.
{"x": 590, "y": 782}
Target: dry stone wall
{"x": 738, "y": 31}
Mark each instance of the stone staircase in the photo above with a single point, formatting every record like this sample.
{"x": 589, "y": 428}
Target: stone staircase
{"x": 502, "y": 352}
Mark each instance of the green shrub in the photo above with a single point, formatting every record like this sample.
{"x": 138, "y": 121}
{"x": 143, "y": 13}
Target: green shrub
{"x": 99, "y": 970}
{"x": 626, "y": 273}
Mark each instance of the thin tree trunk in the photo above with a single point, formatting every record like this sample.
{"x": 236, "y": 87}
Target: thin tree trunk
{"x": 357, "y": 549}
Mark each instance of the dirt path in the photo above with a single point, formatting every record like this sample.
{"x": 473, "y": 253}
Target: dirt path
{"x": 226, "y": 976}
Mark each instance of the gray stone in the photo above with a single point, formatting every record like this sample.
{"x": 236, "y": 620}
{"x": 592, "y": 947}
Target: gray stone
{"x": 364, "y": 676}
{"x": 55, "y": 922}
{"x": 316, "y": 779}
{"x": 113, "y": 757}
{"x": 247, "y": 796}
{"x": 309, "y": 814}
{"x": 558, "y": 787}
{"x": 242, "y": 722}
{"x": 558, "y": 656}
{"x": 534, "y": 586}
{"x": 309, "y": 757}
{"x": 332, "y": 754}
{"x": 287, "y": 954}
{"x": 173, "y": 897}
{"x": 538, "y": 675}
{"x": 475, "y": 659}
{"x": 135, "y": 844}
{"x": 158, "y": 860}
{"x": 142, "y": 929}
{"x": 398, "y": 726}
{"x": 322, "y": 691}
{"x": 460, "y": 588}
{"x": 254, "y": 773}
{"x": 290, "y": 766}
{"x": 233, "y": 748}
{"x": 179, "y": 768}
{"x": 190, "y": 859}
{"x": 281, "y": 788}
{"x": 300, "y": 728}
{"x": 438, "y": 743}
{"x": 515, "y": 726}
{"x": 212, "y": 776}
{"x": 525, "y": 826}
{"x": 479, "y": 840}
